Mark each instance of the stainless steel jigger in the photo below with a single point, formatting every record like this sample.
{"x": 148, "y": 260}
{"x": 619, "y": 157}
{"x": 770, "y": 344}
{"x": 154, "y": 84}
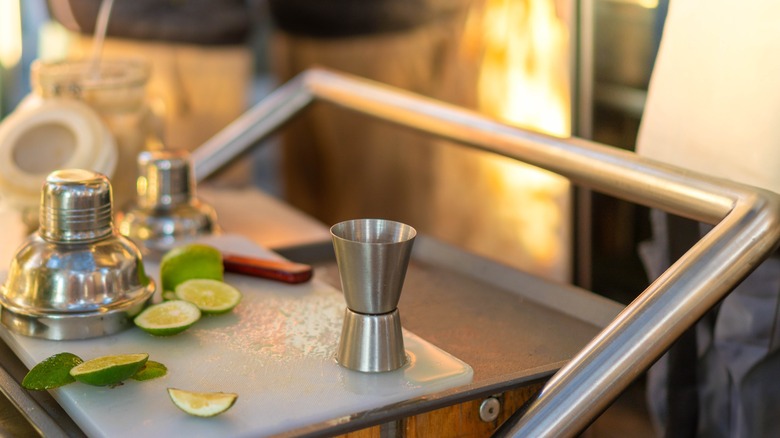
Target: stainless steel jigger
{"x": 166, "y": 211}
{"x": 372, "y": 256}
{"x": 76, "y": 277}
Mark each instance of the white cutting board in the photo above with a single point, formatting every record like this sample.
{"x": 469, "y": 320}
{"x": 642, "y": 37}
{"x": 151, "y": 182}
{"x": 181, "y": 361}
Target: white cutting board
{"x": 275, "y": 350}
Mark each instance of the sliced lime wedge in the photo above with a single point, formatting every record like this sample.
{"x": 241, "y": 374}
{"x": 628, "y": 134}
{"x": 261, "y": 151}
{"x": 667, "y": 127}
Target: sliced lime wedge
{"x": 109, "y": 370}
{"x": 52, "y": 372}
{"x": 168, "y": 318}
{"x": 202, "y": 404}
{"x": 210, "y": 296}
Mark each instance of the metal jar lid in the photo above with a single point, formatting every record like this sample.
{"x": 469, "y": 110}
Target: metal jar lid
{"x": 165, "y": 178}
{"x": 76, "y": 277}
{"x": 76, "y": 206}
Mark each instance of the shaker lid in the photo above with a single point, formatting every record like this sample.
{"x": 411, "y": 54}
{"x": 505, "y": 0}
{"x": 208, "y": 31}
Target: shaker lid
{"x": 165, "y": 178}
{"x": 76, "y": 206}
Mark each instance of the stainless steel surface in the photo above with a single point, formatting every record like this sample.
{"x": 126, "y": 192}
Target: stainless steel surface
{"x": 371, "y": 343}
{"x": 747, "y": 230}
{"x": 75, "y": 206}
{"x": 372, "y": 255}
{"x": 76, "y": 277}
{"x": 459, "y": 302}
{"x": 166, "y": 211}
{"x": 582, "y": 117}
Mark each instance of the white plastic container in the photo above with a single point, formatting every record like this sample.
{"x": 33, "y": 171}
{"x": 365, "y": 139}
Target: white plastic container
{"x": 77, "y": 116}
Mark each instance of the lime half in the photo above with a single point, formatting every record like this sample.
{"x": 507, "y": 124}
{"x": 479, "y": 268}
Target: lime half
{"x": 185, "y": 262}
{"x": 210, "y": 296}
{"x": 202, "y": 404}
{"x": 168, "y": 318}
{"x": 109, "y": 370}
{"x": 52, "y": 372}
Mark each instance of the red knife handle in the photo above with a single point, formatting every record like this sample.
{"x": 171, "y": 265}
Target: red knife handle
{"x": 279, "y": 270}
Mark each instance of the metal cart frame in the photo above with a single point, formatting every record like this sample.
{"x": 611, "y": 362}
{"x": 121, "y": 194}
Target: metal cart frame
{"x": 746, "y": 219}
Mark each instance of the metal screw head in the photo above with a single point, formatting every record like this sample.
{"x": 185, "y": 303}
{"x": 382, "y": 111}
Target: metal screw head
{"x": 489, "y": 409}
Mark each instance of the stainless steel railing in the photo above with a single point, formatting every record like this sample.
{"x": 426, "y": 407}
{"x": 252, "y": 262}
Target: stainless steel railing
{"x": 746, "y": 219}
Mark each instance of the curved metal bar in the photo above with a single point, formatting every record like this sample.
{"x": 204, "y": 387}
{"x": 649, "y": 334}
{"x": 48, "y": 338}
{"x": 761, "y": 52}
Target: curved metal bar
{"x": 747, "y": 230}
{"x": 252, "y": 127}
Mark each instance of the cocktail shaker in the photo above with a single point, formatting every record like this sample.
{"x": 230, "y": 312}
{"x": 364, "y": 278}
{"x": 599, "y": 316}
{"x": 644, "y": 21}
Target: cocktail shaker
{"x": 166, "y": 211}
{"x": 76, "y": 277}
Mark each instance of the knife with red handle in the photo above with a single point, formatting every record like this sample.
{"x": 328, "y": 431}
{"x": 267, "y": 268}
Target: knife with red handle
{"x": 279, "y": 270}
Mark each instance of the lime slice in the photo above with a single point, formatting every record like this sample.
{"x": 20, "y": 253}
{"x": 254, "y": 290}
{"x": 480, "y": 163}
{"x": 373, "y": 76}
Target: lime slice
{"x": 168, "y": 318}
{"x": 151, "y": 370}
{"x": 202, "y": 404}
{"x": 52, "y": 372}
{"x": 210, "y": 296}
{"x": 109, "y": 370}
{"x": 185, "y": 262}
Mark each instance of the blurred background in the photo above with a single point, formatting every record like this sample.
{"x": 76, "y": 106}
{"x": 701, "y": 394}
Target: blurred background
{"x": 561, "y": 67}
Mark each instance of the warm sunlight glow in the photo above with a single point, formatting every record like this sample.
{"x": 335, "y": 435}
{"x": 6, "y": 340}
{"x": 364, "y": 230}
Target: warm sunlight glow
{"x": 524, "y": 81}
{"x": 523, "y": 77}
{"x": 10, "y": 33}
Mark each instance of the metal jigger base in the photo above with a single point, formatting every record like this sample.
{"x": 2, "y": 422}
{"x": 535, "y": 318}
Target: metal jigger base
{"x": 371, "y": 343}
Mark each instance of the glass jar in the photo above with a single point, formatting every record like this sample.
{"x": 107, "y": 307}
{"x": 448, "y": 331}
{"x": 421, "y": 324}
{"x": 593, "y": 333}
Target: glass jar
{"x": 116, "y": 90}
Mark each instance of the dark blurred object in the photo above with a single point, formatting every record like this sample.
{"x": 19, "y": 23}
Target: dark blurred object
{"x": 625, "y": 40}
{"x": 206, "y": 22}
{"x": 338, "y": 165}
{"x": 340, "y": 18}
